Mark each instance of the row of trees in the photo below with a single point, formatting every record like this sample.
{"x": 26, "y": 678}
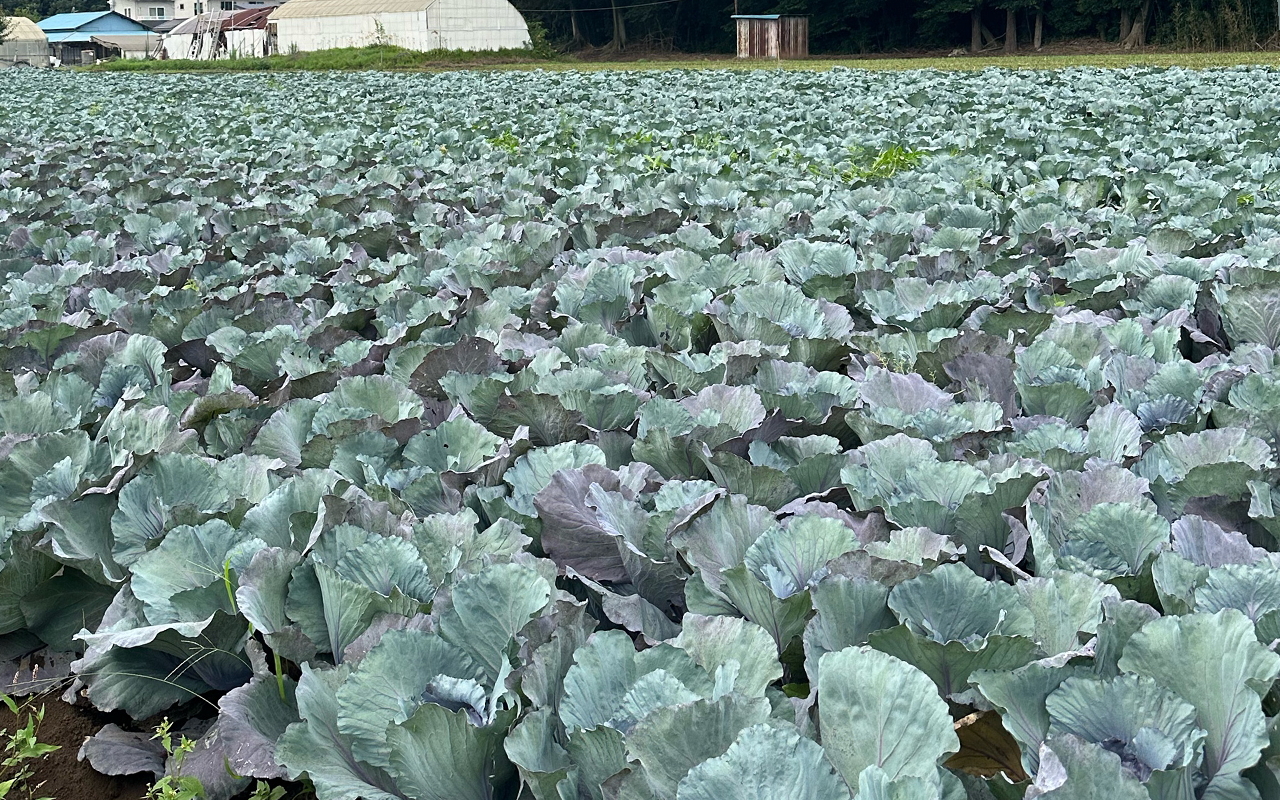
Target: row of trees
{"x": 865, "y": 26}
{"x": 39, "y": 9}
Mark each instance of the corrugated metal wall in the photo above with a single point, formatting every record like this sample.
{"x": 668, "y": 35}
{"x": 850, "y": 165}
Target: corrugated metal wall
{"x": 785, "y": 37}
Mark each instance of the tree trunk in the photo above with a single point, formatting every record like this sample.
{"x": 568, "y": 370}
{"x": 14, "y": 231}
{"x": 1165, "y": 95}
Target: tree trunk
{"x": 578, "y": 38}
{"x": 988, "y": 36}
{"x": 619, "y": 27}
{"x": 1138, "y": 33}
{"x": 1126, "y": 23}
{"x": 975, "y": 30}
{"x": 1039, "y": 38}
{"x": 1010, "y": 31}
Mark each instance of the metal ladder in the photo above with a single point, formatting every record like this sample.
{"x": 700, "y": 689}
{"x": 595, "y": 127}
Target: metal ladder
{"x": 208, "y": 28}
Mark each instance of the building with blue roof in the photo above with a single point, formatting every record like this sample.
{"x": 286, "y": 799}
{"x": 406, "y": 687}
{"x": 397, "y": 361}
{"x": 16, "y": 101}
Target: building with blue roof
{"x": 87, "y": 36}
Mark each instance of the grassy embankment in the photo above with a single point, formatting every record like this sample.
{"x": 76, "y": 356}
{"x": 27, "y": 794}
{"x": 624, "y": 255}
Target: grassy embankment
{"x": 385, "y": 57}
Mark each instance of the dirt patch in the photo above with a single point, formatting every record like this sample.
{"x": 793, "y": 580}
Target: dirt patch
{"x": 60, "y": 775}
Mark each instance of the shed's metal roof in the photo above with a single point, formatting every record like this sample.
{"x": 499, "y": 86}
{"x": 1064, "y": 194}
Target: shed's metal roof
{"x": 189, "y": 25}
{"x": 125, "y": 41}
{"x": 244, "y": 20}
{"x": 249, "y": 19}
{"x": 69, "y": 22}
{"x": 24, "y": 30}
{"x": 300, "y": 9}
{"x": 84, "y": 37}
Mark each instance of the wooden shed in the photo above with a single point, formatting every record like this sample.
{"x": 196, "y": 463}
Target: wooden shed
{"x": 772, "y": 36}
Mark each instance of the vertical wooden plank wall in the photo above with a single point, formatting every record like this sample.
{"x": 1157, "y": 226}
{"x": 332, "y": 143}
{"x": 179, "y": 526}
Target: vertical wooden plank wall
{"x": 786, "y": 37}
{"x": 757, "y": 38}
{"x": 795, "y": 37}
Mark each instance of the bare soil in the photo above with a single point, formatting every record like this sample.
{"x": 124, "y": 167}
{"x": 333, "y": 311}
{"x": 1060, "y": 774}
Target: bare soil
{"x": 60, "y": 775}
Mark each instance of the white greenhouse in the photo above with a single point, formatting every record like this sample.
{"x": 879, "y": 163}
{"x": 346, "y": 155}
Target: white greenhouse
{"x": 302, "y": 25}
{"x": 26, "y": 46}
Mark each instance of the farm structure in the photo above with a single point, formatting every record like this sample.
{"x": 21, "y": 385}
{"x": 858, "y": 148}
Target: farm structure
{"x": 26, "y": 45}
{"x": 304, "y": 25}
{"x": 772, "y": 36}
{"x": 220, "y": 34}
{"x": 87, "y": 36}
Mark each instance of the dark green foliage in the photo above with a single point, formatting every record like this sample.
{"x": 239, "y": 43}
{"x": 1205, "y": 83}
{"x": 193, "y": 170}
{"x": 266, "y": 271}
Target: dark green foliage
{"x": 848, "y": 26}
{"x": 864, "y": 26}
{"x": 39, "y": 9}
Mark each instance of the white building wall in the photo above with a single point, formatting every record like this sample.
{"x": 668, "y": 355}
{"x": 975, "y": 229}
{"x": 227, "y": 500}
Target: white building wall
{"x": 178, "y": 45}
{"x": 141, "y": 10}
{"x": 445, "y": 24}
{"x": 477, "y": 25}
{"x": 246, "y": 44}
{"x": 305, "y": 34}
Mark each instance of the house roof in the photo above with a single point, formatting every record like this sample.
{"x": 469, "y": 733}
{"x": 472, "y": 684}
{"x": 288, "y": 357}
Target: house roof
{"x": 95, "y": 19}
{"x": 69, "y": 22}
{"x": 300, "y": 9}
{"x": 24, "y": 30}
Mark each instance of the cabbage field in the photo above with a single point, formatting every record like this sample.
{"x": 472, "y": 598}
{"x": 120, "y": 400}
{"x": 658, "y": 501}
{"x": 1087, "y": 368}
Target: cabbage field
{"x": 651, "y": 436}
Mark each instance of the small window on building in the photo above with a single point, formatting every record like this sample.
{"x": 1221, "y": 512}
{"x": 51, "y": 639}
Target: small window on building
{"x": 128, "y": 12}
{"x": 156, "y": 12}
{"x": 227, "y": 5}
{"x": 182, "y": 6}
